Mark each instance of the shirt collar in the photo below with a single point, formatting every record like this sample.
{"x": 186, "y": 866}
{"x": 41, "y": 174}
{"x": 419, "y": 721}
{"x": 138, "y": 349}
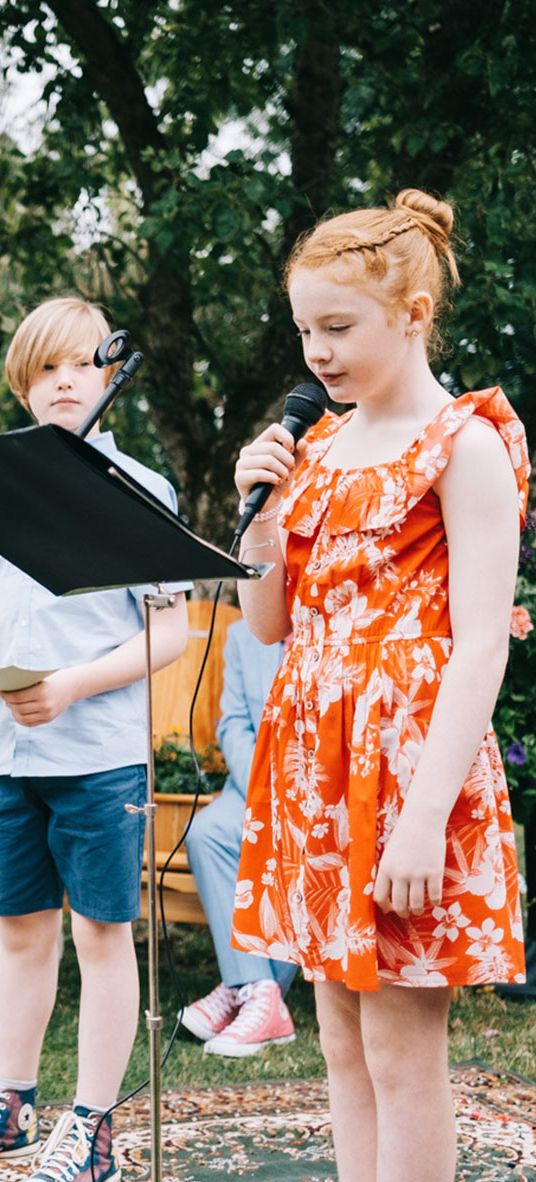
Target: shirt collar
{"x": 105, "y": 443}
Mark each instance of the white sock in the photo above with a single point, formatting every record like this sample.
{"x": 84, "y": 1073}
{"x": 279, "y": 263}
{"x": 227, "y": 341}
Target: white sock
{"x": 77, "y": 1103}
{"x": 17, "y": 1085}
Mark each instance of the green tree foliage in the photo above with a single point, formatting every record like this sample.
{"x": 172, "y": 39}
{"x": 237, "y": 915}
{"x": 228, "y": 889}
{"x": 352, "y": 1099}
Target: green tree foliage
{"x": 332, "y": 105}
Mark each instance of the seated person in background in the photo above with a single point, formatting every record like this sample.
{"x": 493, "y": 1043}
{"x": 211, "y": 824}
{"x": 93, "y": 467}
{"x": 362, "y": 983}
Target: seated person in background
{"x": 246, "y": 1011}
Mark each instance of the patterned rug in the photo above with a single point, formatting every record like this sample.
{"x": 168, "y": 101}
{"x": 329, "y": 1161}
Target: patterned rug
{"x": 282, "y": 1131}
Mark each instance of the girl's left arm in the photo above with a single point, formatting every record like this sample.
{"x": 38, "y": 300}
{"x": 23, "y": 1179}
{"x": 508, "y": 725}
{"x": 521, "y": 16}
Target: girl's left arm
{"x": 479, "y": 503}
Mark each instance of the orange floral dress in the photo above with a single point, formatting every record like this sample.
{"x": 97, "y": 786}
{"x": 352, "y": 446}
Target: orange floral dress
{"x": 347, "y": 716}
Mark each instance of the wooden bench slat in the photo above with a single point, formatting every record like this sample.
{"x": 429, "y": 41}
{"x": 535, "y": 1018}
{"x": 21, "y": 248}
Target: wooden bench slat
{"x": 173, "y": 686}
{"x": 181, "y": 883}
{"x": 179, "y": 908}
{"x": 179, "y": 860}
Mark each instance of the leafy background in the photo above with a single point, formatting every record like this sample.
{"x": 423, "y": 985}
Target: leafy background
{"x": 177, "y": 149}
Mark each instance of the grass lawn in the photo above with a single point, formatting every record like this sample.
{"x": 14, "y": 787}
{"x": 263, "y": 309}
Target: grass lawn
{"x": 482, "y": 1026}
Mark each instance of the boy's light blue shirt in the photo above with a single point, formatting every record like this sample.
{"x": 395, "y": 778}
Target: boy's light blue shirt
{"x": 39, "y": 630}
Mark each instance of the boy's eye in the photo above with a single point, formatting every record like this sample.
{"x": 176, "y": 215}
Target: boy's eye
{"x": 48, "y": 365}
{"x": 81, "y": 364}
{"x": 302, "y": 332}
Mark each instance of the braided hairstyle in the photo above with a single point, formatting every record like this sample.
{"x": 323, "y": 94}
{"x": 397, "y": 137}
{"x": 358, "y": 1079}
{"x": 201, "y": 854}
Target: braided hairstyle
{"x": 393, "y": 252}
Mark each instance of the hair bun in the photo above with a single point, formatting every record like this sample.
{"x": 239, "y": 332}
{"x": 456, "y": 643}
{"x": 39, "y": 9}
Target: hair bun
{"x": 430, "y": 209}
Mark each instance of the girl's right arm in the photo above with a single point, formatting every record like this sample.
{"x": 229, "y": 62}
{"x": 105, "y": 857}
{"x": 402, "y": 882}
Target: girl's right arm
{"x": 269, "y": 459}
{"x": 41, "y": 703}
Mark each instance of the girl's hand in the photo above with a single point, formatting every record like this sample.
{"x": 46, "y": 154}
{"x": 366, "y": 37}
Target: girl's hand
{"x": 270, "y": 459}
{"x": 43, "y": 702}
{"x": 411, "y": 868}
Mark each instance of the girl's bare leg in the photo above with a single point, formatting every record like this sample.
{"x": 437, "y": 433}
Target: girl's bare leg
{"x": 352, "y": 1103}
{"x": 405, "y": 1042}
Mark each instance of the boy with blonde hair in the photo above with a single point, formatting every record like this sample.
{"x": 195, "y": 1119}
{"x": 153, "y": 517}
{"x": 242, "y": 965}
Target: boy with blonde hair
{"x": 72, "y": 754}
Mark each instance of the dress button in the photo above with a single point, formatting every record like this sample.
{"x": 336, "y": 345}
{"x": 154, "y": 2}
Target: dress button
{"x": 308, "y": 704}
{"x": 317, "y": 564}
{"x": 313, "y": 611}
{"x": 316, "y": 656}
{"x": 299, "y": 897}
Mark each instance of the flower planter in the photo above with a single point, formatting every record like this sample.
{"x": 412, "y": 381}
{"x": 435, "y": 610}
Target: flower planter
{"x": 181, "y": 901}
{"x": 172, "y": 814}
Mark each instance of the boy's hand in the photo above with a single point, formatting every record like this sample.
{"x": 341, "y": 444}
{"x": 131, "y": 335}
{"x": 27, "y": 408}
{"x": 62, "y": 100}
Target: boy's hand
{"x": 410, "y": 873}
{"x": 43, "y": 702}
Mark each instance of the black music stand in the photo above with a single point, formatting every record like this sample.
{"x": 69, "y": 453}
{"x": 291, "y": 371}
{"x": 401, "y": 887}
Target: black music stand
{"x": 76, "y": 522}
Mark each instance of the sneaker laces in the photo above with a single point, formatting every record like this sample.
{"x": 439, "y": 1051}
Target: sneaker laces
{"x": 219, "y": 1002}
{"x": 248, "y": 1015}
{"x": 67, "y": 1145}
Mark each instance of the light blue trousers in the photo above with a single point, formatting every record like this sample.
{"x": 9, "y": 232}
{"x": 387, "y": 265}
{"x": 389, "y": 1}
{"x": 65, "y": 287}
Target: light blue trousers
{"x": 213, "y": 845}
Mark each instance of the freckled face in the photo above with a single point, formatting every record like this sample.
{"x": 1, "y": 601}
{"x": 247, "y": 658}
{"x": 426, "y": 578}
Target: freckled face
{"x": 351, "y": 342}
{"x": 64, "y": 393}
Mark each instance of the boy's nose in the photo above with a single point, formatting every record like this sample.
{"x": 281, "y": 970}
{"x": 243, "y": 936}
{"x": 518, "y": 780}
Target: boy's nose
{"x": 64, "y": 377}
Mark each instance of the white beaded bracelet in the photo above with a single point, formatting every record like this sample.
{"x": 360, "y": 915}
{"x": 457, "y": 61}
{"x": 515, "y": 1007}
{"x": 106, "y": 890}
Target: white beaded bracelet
{"x": 267, "y": 516}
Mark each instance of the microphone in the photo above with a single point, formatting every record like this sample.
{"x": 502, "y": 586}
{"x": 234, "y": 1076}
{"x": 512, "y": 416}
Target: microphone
{"x": 303, "y": 407}
{"x": 113, "y": 349}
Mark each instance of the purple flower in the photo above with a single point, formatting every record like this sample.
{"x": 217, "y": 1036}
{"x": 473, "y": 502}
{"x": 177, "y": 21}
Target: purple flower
{"x": 527, "y": 557}
{"x": 516, "y": 753}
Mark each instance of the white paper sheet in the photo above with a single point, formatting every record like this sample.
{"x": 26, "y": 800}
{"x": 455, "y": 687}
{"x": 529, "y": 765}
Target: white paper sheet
{"x": 13, "y": 678}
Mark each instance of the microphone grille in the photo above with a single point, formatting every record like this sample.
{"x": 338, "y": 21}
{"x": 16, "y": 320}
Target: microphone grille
{"x": 307, "y": 402}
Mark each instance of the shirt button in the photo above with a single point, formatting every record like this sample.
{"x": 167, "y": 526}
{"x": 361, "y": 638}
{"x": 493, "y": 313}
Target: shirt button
{"x": 23, "y": 623}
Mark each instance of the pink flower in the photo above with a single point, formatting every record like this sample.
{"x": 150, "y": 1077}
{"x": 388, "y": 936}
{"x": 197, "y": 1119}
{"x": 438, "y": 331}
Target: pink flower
{"x": 521, "y": 623}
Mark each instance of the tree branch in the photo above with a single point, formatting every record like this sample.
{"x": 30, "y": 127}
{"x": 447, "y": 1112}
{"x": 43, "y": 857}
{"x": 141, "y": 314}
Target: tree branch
{"x": 110, "y": 69}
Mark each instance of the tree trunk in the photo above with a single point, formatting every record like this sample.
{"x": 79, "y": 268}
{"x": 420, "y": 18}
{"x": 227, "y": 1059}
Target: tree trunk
{"x": 202, "y": 457}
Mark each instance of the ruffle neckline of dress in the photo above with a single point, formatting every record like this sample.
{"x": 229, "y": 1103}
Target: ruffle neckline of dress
{"x": 380, "y": 495}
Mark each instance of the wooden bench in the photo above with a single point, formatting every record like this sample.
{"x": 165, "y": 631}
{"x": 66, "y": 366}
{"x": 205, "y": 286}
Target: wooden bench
{"x": 173, "y": 690}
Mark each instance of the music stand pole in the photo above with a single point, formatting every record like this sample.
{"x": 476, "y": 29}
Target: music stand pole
{"x": 153, "y": 1017}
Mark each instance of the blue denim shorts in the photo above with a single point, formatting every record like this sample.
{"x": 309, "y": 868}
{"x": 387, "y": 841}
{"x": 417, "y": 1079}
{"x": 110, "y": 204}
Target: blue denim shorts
{"x": 71, "y": 833}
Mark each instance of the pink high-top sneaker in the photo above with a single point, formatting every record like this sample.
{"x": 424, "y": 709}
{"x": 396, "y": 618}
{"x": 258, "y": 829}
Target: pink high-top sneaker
{"x": 263, "y": 1018}
{"x": 213, "y": 1013}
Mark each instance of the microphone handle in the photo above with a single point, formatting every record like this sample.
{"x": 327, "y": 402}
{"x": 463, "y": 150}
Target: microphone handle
{"x": 120, "y": 379}
{"x": 259, "y": 493}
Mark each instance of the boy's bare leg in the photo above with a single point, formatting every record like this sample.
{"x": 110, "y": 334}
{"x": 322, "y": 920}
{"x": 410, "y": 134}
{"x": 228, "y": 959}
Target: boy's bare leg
{"x": 405, "y": 1041}
{"x": 109, "y": 1007}
{"x": 352, "y": 1102}
{"x": 29, "y": 957}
